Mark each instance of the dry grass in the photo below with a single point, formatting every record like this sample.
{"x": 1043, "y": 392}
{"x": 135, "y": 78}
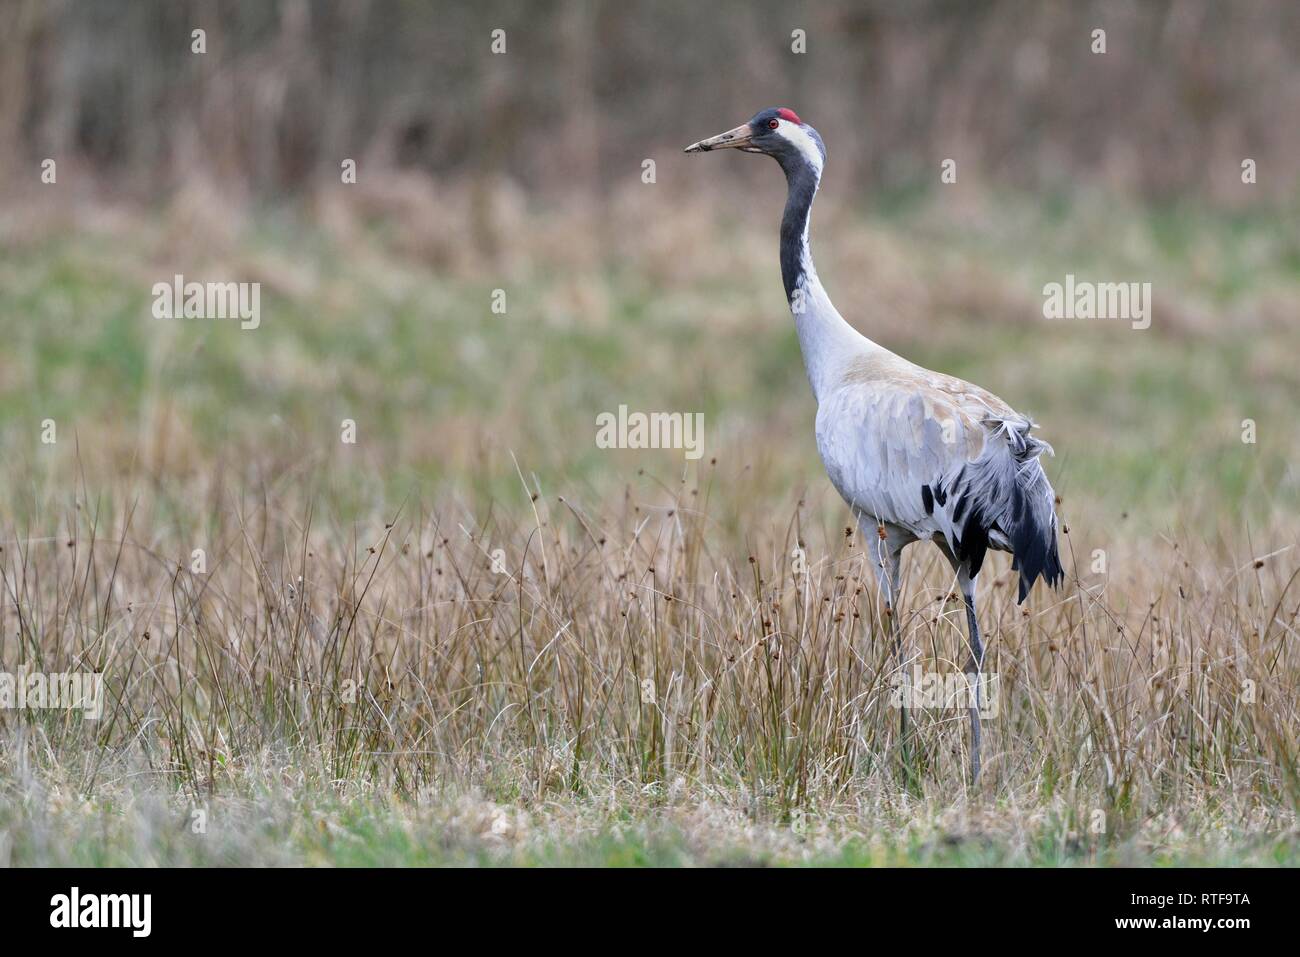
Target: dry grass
{"x": 642, "y": 655}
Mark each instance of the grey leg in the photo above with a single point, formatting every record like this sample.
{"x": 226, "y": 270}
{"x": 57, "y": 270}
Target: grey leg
{"x": 975, "y": 663}
{"x": 974, "y": 668}
{"x": 886, "y": 551}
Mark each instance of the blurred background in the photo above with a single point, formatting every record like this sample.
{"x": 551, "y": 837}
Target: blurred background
{"x": 586, "y": 89}
{"x": 523, "y": 171}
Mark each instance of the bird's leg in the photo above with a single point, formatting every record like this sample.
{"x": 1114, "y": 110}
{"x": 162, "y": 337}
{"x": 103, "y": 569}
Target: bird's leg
{"x": 886, "y": 550}
{"x": 975, "y": 674}
{"x": 904, "y": 736}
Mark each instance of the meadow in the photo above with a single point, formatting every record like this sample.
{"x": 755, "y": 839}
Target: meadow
{"x": 473, "y": 636}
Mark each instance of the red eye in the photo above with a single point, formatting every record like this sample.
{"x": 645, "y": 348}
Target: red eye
{"x": 773, "y": 124}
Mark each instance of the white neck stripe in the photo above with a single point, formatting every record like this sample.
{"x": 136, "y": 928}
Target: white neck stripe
{"x": 799, "y": 137}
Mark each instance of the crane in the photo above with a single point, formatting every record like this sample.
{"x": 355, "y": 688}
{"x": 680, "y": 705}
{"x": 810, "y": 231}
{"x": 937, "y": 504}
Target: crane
{"x": 918, "y": 455}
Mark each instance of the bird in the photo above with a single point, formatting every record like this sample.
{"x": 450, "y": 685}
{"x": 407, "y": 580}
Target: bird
{"x": 918, "y": 455}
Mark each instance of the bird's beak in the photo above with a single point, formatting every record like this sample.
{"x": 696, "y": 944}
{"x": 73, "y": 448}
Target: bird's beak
{"x": 732, "y": 139}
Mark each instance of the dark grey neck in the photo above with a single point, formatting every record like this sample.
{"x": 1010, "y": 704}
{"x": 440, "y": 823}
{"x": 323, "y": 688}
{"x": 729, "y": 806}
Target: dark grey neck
{"x": 801, "y": 180}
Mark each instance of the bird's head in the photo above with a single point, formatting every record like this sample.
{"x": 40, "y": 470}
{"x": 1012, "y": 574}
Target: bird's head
{"x": 779, "y": 133}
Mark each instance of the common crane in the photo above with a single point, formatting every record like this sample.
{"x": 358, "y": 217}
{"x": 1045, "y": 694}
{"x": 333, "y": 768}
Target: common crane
{"x": 918, "y": 455}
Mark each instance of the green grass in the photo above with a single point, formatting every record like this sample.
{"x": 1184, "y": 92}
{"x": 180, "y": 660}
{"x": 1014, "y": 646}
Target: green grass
{"x": 315, "y": 828}
{"x": 443, "y": 390}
